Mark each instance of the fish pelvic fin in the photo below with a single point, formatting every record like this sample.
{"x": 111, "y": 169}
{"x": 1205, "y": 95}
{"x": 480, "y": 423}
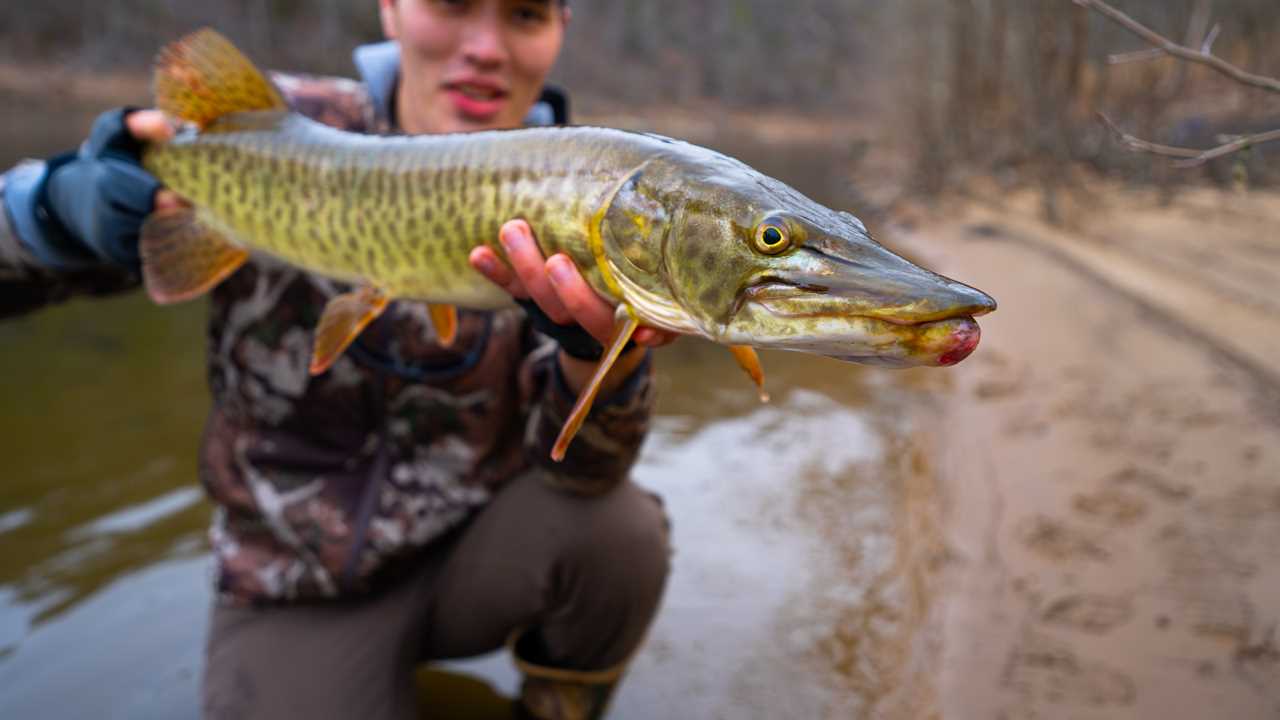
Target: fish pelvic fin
{"x": 624, "y": 326}
{"x": 444, "y": 318}
{"x": 183, "y": 258}
{"x": 750, "y": 362}
{"x": 344, "y": 317}
{"x": 202, "y": 77}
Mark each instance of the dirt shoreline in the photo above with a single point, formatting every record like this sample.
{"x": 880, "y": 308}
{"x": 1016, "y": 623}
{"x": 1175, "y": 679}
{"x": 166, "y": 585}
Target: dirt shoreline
{"x": 1109, "y": 472}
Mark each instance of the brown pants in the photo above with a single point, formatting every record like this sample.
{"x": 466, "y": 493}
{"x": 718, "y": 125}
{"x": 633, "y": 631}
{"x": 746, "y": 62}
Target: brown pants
{"x": 587, "y": 572}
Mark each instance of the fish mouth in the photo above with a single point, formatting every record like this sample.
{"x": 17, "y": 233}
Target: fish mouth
{"x": 925, "y": 329}
{"x": 786, "y": 298}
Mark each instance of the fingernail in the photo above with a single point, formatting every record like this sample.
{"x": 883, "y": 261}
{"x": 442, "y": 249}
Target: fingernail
{"x": 485, "y": 264}
{"x": 558, "y": 270}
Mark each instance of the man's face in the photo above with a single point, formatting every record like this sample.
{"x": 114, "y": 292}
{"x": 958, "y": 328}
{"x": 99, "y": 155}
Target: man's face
{"x": 471, "y": 64}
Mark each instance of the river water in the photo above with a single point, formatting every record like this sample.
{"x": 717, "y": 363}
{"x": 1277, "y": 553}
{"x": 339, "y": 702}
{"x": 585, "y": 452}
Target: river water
{"x": 805, "y": 533}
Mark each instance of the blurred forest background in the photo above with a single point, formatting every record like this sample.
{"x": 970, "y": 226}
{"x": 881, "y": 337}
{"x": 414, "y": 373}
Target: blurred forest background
{"x": 1002, "y": 88}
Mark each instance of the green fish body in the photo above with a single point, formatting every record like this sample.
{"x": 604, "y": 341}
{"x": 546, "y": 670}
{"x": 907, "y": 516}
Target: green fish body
{"x": 675, "y": 235}
{"x": 399, "y": 213}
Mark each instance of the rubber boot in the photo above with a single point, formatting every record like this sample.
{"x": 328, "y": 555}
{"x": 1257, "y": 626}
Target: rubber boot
{"x": 551, "y": 693}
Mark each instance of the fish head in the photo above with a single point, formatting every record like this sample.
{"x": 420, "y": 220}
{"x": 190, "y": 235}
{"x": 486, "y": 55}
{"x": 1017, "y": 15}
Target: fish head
{"x": 744, "y": 259}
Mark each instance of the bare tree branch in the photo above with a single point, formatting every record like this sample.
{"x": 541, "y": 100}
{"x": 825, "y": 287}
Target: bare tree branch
{"x": 1191, "y": 157}
{"x": 1135, "y": 56}
{"x": 1135, "y": 143}
{"x": 1180, "y": 51}
{"x": 1194, "y": 29}
{"x": 1207, "y": 46}
{"x": 1239, "y": 143}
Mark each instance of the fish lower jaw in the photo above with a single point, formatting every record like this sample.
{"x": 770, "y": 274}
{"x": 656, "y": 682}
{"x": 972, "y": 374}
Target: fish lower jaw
{"x": 790, "y": 310}
{"x": 857, "y": 338}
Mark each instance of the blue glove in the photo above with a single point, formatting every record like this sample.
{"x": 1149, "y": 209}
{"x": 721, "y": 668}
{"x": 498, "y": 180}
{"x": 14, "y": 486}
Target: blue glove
{"x": 92, "y": 202}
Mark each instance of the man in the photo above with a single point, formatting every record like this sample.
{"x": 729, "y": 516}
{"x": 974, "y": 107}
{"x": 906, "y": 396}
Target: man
{"x": 400, "y": 507}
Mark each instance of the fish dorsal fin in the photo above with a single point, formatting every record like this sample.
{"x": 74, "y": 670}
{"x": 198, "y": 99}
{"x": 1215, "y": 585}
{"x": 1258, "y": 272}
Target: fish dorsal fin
{"x": 625, "y": 323}
{"x": 182, "y": 257}
{"x": 341, "y": 322}
{"x": 202, "y": 77}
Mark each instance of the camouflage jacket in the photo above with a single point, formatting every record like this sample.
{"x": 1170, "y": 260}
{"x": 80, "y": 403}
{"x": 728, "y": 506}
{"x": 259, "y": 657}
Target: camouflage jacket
{"x": 327, "y": 485}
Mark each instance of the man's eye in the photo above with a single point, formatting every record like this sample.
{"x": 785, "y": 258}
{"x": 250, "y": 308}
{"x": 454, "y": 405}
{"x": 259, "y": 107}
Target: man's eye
{"x": 451, "y": 5}
{"x": 531, "y": 13}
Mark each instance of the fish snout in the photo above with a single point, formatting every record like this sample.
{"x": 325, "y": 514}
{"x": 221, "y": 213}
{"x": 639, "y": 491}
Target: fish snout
{"x": 941, "y": 299}
{"x": 942, "y": 321}
{"x": 930, "y": 320}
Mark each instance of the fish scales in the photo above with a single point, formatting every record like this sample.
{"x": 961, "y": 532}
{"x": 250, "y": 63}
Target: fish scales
{"x": 381, "y": 210}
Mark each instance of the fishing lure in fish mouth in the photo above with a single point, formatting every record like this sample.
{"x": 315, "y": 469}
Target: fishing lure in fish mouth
{"x": 676, "y": 236}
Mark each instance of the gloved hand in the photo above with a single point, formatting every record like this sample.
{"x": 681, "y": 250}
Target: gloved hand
{"x": 93, "y": 200}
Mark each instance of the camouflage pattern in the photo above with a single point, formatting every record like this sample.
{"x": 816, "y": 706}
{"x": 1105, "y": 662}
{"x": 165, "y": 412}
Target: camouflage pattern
{"x": 327, "y": 485}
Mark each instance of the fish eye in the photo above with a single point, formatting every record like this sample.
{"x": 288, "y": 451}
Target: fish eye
{"x": 771, "y": 237}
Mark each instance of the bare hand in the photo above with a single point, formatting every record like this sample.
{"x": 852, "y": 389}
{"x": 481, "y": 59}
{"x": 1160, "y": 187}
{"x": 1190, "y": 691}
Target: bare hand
{"x": 555, "y": 284}
{"x": 153, "y": 126}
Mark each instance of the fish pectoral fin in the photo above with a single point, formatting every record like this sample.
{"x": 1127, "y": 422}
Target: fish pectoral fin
{"x": 444, "y": 318}
{"x": 183, "y": 258}
{"x": 202, "y": 77}
{"x": 624, "y": 326}
{"x": 341, "y": 322}
{"x": 749, "y": 361}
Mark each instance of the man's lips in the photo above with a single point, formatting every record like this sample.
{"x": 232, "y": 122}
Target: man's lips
{"x": 479, "y": 101}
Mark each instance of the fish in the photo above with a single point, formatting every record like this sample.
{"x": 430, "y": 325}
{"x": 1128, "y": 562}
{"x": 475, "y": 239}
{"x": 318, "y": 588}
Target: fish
{"x": 673, "y": 235}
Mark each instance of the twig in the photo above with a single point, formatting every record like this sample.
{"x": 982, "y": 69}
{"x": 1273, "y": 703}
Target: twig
{"x": 1135, "y": 56}
{"x": 1136, "y": 143}
{"x": 1239, "y": 143}
{"x": 1191, "y": 157}
{"x": 1207, "y": 46}
{"x": 1180, "y": 51}
{"x": 1193, "y": 31}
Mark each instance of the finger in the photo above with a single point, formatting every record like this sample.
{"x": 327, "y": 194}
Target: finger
{"x": 653, "y": 337}
{"x": 665, "y": 338}
{"x": 581, "y": 302}
{"x": 527, "y": 261}
{"x": 169, "y": 200}
{"x": 487, "y": 263}
{"x": 149, "y": 125}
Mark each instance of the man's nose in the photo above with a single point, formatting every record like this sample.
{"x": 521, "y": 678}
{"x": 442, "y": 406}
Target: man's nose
{"x": 482, "y": 45}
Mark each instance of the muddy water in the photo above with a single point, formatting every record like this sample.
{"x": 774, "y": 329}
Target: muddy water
{"x": 805, "y": 530}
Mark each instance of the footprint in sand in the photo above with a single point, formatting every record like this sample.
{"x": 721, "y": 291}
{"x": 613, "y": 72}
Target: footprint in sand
{"x": 1000, "y": 380}
{"x": 1112, "y": 506}
{"x": 1041, "y": 670}
{"x": 997, "y": 389}
{"x": 1094, "y": 614}
{"x": 1055, "y": 540}
{"x": 1151, "y": 481}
